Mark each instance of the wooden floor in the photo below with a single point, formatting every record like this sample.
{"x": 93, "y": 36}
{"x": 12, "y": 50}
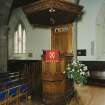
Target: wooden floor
{"x": 89, "y": 95}
{"x": 85, "y": 95}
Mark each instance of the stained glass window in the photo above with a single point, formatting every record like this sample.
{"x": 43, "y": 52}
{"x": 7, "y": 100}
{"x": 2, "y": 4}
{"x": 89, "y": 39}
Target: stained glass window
{"x": 20, "y": 40}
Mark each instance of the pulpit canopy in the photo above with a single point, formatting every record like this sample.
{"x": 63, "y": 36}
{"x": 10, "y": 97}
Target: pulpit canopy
{"x": 52, "y": 12}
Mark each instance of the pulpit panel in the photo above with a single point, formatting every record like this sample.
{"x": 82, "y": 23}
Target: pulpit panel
{"x": 55, "y": 87}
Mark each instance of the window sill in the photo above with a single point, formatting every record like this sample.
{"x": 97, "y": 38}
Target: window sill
{"x": 18, "y": 56}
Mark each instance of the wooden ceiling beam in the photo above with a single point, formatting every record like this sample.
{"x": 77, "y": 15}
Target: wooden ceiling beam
{"x": 56, "y": 4}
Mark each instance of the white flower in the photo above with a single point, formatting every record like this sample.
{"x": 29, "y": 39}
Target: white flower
{"x": 88, "y": 73}
{"x": 80, "y": 70}
{"x": 85, "y": 68}
{"x": 77, "y": 61}
{"x": 73, "y": 70}
{"x": 71, "y": 76}
{"x": 82, "y": 73}
{"x": 68, "y": 65}
{"x": 64, "y": 72}
{"x": 74, "y": 63}
{"x": 81, "y": 65}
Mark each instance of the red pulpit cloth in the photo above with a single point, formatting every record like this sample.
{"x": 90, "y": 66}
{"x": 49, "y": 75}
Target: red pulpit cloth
{"x": 52, "y": 55}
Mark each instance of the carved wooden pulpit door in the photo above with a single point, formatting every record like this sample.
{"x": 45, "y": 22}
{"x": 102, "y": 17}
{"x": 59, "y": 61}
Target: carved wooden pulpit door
{"x": 61, "y": 38}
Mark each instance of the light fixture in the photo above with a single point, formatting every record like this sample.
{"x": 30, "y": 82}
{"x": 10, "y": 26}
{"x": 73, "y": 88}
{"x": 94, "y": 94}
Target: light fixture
{"x": 51, "y": 10}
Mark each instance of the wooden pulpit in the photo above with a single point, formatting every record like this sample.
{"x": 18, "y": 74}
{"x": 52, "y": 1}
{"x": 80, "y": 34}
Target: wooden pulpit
{"x": 56, "y": 88}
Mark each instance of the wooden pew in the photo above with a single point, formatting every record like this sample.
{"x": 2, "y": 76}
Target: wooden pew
{"x": 12, "y": 88}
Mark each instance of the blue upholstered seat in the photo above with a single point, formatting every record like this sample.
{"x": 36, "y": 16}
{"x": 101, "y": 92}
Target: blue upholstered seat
{"x": 13, "y": 91}
{"x": 23, "y": 88}
{"x": 3, "y": 95}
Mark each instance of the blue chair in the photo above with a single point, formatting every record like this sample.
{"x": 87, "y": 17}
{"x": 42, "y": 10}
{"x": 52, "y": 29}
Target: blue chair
{"x": 13, "y": 91}
{"x": 3, "y": 97}
{"x": 13, "y": 96}
{"x": 23, "y": 93}
{"x": 23, "y": 88}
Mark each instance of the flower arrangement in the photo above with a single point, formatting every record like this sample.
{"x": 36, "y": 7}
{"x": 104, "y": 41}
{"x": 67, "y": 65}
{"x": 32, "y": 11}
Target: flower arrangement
{"x": 78, "y": 72}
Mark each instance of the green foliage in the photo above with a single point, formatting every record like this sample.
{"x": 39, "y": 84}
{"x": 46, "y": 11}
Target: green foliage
{"x": 78, "y": 72}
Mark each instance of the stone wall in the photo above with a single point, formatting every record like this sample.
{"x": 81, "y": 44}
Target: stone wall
{"x": 5, "y": 7}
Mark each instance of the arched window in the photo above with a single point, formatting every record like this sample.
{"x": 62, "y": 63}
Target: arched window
{"x": 20, "y": 40}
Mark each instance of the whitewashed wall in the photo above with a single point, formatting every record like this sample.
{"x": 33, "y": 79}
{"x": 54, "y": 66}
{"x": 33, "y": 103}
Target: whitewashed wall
{"x": 90, "y": 33}
{"x": 100, "y": 33}
{"x": 37, "y": 39}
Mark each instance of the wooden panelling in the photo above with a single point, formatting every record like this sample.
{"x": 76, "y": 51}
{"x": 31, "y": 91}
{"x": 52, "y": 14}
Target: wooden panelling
{"x": 32, "y": 70}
